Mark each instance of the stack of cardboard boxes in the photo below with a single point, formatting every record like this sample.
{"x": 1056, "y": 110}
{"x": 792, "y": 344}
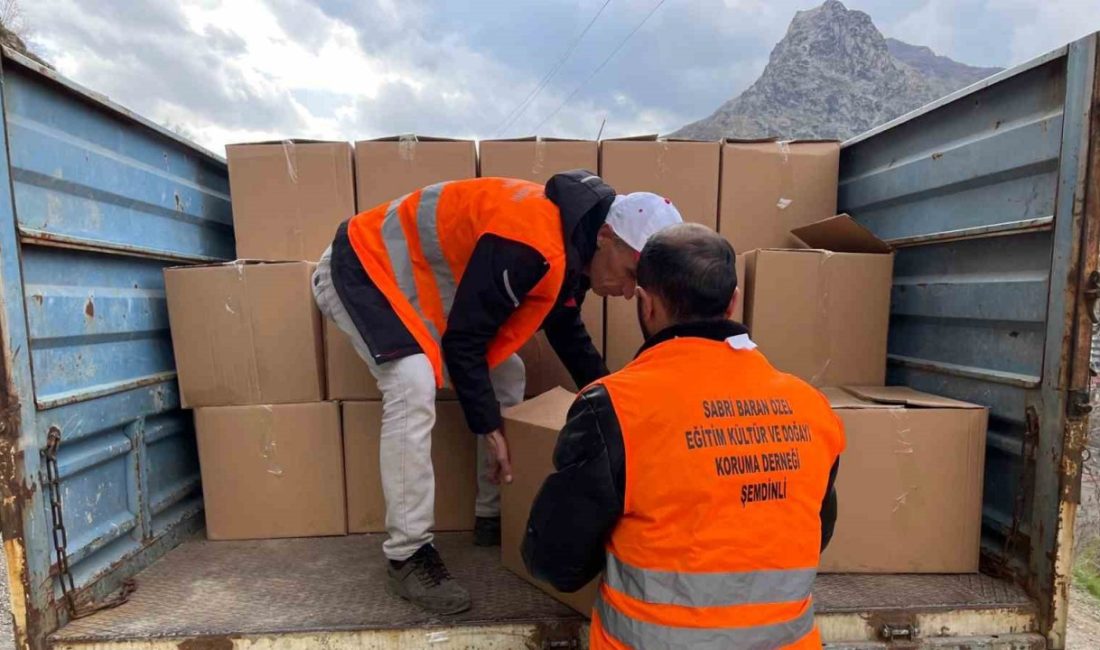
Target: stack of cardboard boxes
{"x": 249, "y": 349}
{"x": 286, "y": 413}
{"x": 288, "y": 416}
{"x": 816, "y": 293}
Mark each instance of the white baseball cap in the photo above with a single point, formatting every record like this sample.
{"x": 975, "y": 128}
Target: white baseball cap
{"x": 638, "y": 216}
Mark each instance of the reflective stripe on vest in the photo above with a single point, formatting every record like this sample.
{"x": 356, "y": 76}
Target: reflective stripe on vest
{"x": 652, "y": 636}
{"x": 429, "y": 244}
{"x": 709, "y": 589}
{"x": 393, "y": 235}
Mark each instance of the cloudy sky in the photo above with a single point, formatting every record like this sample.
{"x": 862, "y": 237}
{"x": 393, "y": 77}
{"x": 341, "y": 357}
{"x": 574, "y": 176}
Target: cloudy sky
{"x": 236, "y": 70}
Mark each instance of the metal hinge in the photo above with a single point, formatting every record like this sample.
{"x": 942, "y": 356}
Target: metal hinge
{"x": 1092, "y": 296}
{"x": 61, "y": 540}
{"x": 1079, "y": 404}
{"x": 891, "y": 632}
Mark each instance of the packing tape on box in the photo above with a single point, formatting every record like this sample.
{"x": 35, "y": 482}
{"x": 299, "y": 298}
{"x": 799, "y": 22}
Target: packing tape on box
{"x": 406, "y": 146}
{"x": 540, "y": 157}
{"x": 822, "y": 333}
{"x": 909, "y": 471}
{"x": 269, "y": 448}
{"x": 784, "y": 149}
{"x": 291, "y": 160}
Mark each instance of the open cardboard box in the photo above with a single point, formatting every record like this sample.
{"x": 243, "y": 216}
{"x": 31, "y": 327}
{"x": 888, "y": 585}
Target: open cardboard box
{"x": 822, "y": 313}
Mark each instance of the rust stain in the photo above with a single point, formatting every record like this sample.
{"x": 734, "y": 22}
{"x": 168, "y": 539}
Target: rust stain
{"x": 565, "y": 634}
{"x": 207, "y": 643}
{"x": 89, "y": 308}
{"x": 30, "y": 622}
{"x": 37, "y": 298}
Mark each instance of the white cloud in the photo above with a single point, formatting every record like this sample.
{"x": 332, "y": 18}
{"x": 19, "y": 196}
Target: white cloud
{"x": 237, "y": 70}
{"x": 1044, "y": 26}
{"x": 931, "y": 25}
{"x": 284, "y": 68}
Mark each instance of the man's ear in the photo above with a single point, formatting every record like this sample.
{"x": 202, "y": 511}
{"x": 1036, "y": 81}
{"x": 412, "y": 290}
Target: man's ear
{"x": 605, "y": 236}
{"x": 734, "y": 301}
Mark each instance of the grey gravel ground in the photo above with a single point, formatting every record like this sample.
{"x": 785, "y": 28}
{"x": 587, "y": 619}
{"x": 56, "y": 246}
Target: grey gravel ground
{"x": 7, "y": 639}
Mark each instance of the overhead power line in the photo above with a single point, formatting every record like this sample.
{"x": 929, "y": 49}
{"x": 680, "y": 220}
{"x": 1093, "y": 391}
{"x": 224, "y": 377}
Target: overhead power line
{"x": 596, "y": 71}
{"x": 520, "y": 108}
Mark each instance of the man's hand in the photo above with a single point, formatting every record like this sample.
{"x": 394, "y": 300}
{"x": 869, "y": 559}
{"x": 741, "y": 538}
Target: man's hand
{"x": 500, "y": 463}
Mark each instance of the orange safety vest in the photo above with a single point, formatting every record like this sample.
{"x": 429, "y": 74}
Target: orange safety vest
{"x": 727, "y": 463}
{"x": 415, "y": 250}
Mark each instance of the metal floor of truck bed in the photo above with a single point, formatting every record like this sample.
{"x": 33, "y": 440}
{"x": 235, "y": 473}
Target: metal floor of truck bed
{"x": 329, "y": 592}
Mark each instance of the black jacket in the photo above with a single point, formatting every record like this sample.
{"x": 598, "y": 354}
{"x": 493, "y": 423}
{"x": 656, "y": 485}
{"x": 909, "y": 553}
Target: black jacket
{"x": 581, "y": 502}
{"x": 497, "y": 277}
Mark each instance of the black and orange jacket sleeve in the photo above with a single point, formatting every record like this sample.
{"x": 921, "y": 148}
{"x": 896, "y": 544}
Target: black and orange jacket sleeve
{"x": 498, "y": 276}
{"x": 570, "y": 339}
{"x": 581, "y": 502}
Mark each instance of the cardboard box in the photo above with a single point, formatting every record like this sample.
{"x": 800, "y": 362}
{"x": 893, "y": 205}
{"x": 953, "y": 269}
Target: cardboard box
{"x": 388, "y": 168}
{"x": 536, "y": 159}
{"x": 533, "y": 428}
{"x": 909, "y": 488}
{"x": 289, "y": 197}
{"x": 684, "y": 171}
{"x": 687, "y": 173}
{"x": 245, "y": 333}
{"x": 454, "y": 457}
{"x": 272, "y": 470}
{"x": 544, "y": 369}
{"x": 347, "y": 375}
{"x": 624, "y": 336}
{"x": 770, "y": 188}
{"x": 823, "y": 313}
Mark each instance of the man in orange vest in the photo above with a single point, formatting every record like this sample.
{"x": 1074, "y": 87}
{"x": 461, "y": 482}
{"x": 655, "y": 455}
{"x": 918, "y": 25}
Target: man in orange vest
{"x": 456, "y": 277}
{"x": 698, "y": 479}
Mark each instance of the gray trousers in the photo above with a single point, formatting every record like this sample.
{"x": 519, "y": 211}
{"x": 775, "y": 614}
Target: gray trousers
{"x": 408, "y": 415}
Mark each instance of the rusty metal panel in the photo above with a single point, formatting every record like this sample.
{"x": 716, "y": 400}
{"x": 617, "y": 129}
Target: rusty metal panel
{"x": 94, "y": 203}
{"x": 983, "y": 193}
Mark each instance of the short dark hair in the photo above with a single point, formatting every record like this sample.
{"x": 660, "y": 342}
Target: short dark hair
{"x": 692, "y": 268}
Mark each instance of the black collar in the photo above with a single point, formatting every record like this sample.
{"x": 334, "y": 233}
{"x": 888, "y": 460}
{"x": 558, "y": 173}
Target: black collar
{"x": 714, "y": 330}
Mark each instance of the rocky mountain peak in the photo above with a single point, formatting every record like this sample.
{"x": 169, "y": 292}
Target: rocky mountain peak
{"x": 831, "y": 76}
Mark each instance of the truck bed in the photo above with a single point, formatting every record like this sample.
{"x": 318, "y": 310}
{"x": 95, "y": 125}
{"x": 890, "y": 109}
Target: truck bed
{"x": 329, "y": 592}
